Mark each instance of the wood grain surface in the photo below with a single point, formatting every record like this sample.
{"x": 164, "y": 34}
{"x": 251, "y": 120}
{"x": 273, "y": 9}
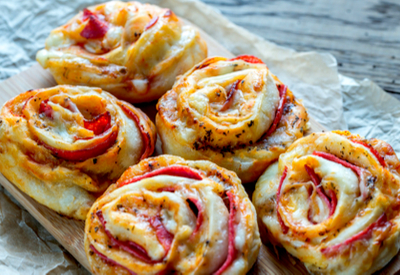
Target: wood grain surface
{"x": 70, "y": 232}
{"x": 363, "y": 35}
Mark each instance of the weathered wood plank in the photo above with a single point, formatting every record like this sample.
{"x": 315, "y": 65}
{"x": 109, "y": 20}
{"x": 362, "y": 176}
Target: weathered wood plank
{"x": 363, "y": 35}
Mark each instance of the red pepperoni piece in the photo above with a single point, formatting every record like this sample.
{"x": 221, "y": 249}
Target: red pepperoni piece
{"x": 230, "y": 95}
{"x": 151, "y": 23}
{"x": 317, "y": 183}
{"x": 174, "y": 170}
{"x": 363, "y": 235}
{"x": 45, "y": 109}
{"x": 231, "y": 238}
{"x": 334, "y": 158}
{"x": 95, "y": 150}
{"x": 145, "y": 135}
{"x": 278, "y": 115}
{"x": 166, "y": 189}
{"x": 132, "y": 248}
{"x": 163, "y": 236}
{"x": 95, "y": 28}
{"x": 248, "y": 58}
{"x": 285, "y": 229}
{"x": 99, "y": 124}
{"x": 109, "y": 261}
{"x": 86, "y": 14}
{"x": 200, "y": 217}
{"x": 373, "y": 151}
{"x": 332, "y": 196}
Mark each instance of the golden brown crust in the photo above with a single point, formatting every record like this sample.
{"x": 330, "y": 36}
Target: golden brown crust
{"x": 63, "y": 145}
{"x": 133, "y": 50}
{"x": 193, "y": 122}
{"x": 338, "y": 202}
{"x": 199, "y": 240}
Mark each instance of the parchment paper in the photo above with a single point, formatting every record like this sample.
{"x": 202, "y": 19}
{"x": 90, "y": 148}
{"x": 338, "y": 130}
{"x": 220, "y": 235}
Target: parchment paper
{"x": 336, "y": 101}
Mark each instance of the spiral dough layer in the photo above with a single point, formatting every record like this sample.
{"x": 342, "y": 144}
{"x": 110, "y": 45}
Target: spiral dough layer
{"x": 135, "y": 51}
{"x": 332, "y": 200}
{"x": 233, "y": 112}
{"x": 171, "y": 216}
{"x": 63, "y": 145}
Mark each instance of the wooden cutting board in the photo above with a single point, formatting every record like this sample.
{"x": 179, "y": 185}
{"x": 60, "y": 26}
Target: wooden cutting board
{"x": 70, "y": 232}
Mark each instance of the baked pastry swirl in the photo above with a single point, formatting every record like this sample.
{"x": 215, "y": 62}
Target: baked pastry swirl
{"x": 171, "y": 216}
{"x": 135, "y": 51}
{"x": 332, "y": 200}
{"x": 64, "y": 145}
{"x": 233, "y": 112}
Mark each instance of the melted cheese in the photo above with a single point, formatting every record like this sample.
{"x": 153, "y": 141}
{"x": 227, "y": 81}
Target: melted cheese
{"x": 202, "y": 251}
{"x": 32, "y": 142}
{"x": 325, "y": 244}
{"x": 156, "y": 55}
{"x": 222, "y": 110}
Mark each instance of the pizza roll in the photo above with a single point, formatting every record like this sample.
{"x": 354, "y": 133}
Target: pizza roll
{"x": 65, "y": 145}
{"x": 132, "y": 50}
{"x": 332, "y": 200}
{"x": 171, "y": 216}
{"x": 233, "y": 112}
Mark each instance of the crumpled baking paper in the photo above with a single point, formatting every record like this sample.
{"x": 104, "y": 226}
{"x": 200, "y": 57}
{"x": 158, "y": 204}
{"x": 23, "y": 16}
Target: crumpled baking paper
{"x": 336, "y": 101}
{"x": 26, "y": 247}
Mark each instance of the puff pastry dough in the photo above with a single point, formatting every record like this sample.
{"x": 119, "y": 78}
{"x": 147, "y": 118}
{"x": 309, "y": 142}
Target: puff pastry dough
{"x": 133, "y": 50}
{"x": 233, "y": 112}
{"x": 337, "y": 199}
{"x": 63, "y": 145}
{"x": 171, "y": 216}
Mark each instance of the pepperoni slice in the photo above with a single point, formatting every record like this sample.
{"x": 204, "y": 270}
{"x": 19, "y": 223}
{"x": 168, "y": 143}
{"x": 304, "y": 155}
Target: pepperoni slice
{"x": 80, "y": 155}
{"x": 285, "y": 229}
{"x": 133, "y": 248}
{"x": 200, "y": 217}
{"x": 248, "y": 58}
{"x": 317, "y": 183}
{"x": 109, "y": 261}
{"x": 278, "y": 115}
{"x": 373, "y": 151}
{"x": 151, "y": 23}
{"x": 99, "y": 124}
{"x": 174, "y": 170}
{"x": 363, "y": 235}
{"x": 231, "y": 232}
{"x": 95, "y": 28}
{"x": 230, "y": 96}
{"x": 163, "y": 236}
{"x": 45, "y": 109}
{"x": 334, "y": 158}
{"x": 145, "y": 135}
